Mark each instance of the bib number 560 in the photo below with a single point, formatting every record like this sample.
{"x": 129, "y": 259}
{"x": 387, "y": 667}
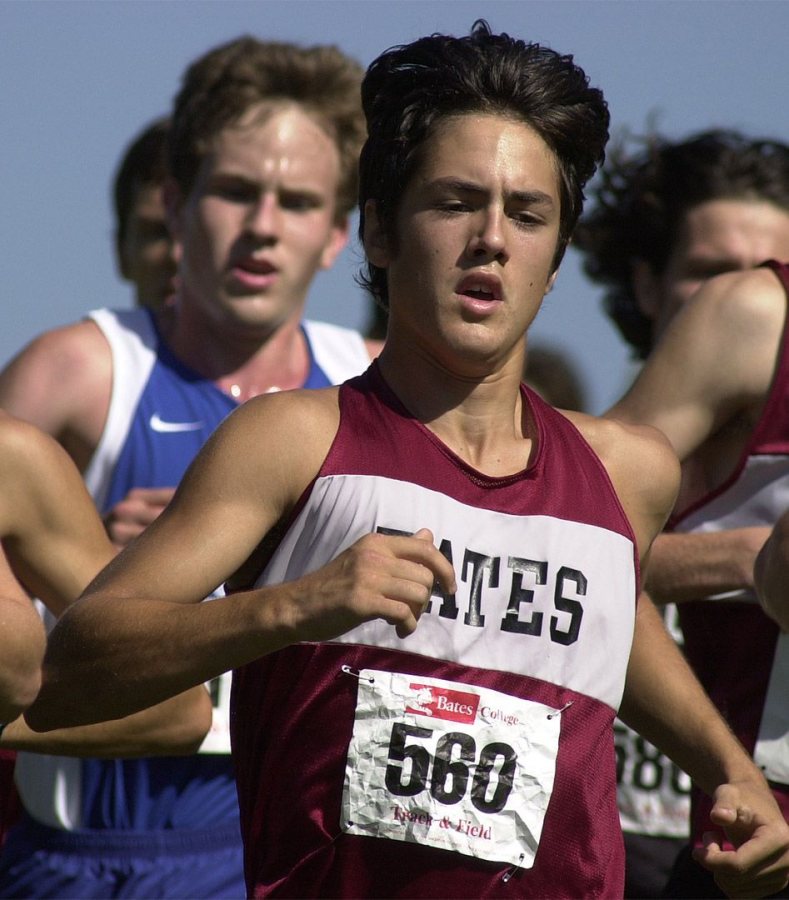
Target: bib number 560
{"x": 448, "y": 772}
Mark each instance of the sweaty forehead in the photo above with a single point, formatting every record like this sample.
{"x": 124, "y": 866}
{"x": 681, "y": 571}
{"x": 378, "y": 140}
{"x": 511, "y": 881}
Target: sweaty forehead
{"x": 281, "y": 140}
{"x": 489, "y": 147}
{"x": 282, "y": 117}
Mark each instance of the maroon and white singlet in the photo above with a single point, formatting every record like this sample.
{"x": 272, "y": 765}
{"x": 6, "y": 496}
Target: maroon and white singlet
{"x": 474, "y": 758}
{"x": 738, "y": 653}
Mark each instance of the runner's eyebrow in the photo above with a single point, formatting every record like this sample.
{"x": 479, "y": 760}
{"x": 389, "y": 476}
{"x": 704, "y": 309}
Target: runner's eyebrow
{"x": 527, "y": 197}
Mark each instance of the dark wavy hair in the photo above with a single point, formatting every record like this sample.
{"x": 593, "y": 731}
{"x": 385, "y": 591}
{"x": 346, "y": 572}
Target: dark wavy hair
{"x": 410, "y": 88}
{"x": 643, "y": 195}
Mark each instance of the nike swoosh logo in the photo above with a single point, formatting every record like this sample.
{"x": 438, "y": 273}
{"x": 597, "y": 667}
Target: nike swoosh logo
{"x": 163, "y": 427}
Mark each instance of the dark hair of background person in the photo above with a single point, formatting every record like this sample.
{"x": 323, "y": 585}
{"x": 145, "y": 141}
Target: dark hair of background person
{"x": 143, "y": 164}
{"x": 410, "y": 88}
{"x": 220, "y": 87}
{"x": 642, "y": 195}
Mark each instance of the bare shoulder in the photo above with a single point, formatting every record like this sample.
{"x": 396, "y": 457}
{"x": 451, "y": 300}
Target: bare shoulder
{"x": 61, "y": 381}
{"x": 752, "y": 300}
{"x": 80, "y": 345}
{"x": 274, "y": 441}
{"x": 641, "y": 464}
{"x": 286, "y": 416}
{"x": 623, "y": 446}
{"x": 737, "y": 317}
{"x": 749, "y": 283}
{"x": 734, "y": 331}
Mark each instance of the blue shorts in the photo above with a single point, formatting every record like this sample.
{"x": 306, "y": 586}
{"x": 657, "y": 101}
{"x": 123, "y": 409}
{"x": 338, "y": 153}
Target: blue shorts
{"x": 42, "y": 862}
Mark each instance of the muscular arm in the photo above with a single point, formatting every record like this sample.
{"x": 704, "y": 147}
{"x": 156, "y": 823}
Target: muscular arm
{"x": 245, "y": 480}
{"x": 628, "y": 451}
{"x": 22, "y": 645}
{"x": 174, "y": 727}
{"x": 713, "y": 366}
{"x": 685, "y": 567}
{"x": 53, "y": 544}
{"x": 51, "y": 533}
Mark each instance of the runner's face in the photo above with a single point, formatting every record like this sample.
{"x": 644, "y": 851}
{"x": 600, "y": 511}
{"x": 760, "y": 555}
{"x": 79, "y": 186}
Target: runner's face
{"x": 260, "y": 220}
{"x": 146, "y": 253}
{"x": 715, "y": 237}
{"x": 477, "y": 229}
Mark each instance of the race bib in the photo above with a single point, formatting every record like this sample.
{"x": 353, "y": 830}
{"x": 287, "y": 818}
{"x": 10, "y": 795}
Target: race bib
{"x": 449, "y": 765}
{"x": 653, "y": 793}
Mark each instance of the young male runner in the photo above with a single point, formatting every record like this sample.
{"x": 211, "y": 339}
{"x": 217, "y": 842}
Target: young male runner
{"x": 443, "y": 620}
{"x": 264, "y": 143}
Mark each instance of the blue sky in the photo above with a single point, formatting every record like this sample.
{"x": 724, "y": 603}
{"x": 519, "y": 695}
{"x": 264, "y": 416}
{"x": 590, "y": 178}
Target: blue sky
{"x": 79, "y": 77}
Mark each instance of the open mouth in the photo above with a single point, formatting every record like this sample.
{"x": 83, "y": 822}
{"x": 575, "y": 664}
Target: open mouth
{"x": 482, "y": 288}
{"x": 256, "y": 266}
{"x": 480, "y": 294}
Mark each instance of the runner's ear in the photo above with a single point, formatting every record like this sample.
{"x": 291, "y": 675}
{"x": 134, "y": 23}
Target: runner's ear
{"x": 376, "y": 245}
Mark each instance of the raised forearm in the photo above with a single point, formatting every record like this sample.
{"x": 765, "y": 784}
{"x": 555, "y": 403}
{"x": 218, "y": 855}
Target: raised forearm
{"x": 133, "y": 671}
{"x": 112, "y": 654}
{"x": 173, "y": 728}
{"x": 685, "y": 567}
